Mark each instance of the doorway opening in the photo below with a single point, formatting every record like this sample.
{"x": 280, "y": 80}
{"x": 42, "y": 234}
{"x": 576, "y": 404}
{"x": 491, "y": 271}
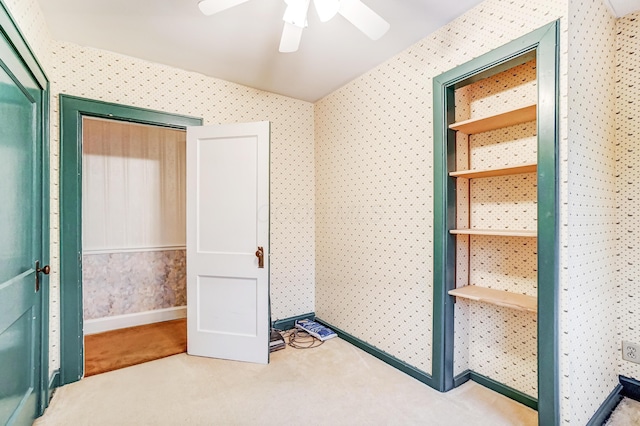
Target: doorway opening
{"x": 133, "y": 243}
{"x": 73, "y": 112}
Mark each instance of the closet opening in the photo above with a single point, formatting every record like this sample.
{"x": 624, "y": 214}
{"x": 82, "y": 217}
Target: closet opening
{"x": 496, "y": 222}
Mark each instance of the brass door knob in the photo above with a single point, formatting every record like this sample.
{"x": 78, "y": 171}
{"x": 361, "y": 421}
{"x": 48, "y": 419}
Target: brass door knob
{"x": 260, "y": 256}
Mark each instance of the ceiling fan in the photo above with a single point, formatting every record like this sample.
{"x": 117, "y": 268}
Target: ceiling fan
{"x": 295, "y": 17}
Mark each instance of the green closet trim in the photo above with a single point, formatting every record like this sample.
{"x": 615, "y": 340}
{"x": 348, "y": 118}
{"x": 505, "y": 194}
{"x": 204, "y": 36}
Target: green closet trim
{"x": 544, "y": 44}
{"x": 72, "y": 109}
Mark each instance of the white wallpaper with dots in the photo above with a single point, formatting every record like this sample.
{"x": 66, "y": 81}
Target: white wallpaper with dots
{"x": 627, "y": 122}
{"x": 374, "y": 157}
{"x": 105, "y": 76}
{"x": 373, "y": 180}
{"x": 589, "y": 301}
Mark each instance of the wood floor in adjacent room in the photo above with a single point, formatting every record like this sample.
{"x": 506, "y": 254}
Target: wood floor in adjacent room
{"x": 333, "y": 384}
{"x": 125, "y": 347}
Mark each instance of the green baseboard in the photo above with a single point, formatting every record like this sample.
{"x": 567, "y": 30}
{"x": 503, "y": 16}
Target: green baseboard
{"x": 383, "y": 356}
{"x": 505, "y": 390}
{"x": 461, "y": 379}
{"x": 289, "y": 323}
{"x": 607, "y": 407}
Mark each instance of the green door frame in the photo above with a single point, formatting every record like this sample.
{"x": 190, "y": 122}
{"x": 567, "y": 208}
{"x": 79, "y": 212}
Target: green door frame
{"x": 30, "y": 63}
{"x": 543, "y": 44}
{"x": 72, "y": 110}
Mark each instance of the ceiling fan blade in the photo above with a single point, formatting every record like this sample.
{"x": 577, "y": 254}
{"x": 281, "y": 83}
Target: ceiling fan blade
{"x": 209, "y": 7}
{"x": 365, "y": 19}
{"x": 326, "y": 9}
{"x": 296, "y": 12}
{"x": 291, "y": 36}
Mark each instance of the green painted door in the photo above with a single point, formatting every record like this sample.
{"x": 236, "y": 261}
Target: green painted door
{"x": 20, "y": 239}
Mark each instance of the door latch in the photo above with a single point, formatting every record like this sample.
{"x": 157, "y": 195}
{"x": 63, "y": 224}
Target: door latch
{"x": 44, "y": 270}
{"x": 260, "y": 256}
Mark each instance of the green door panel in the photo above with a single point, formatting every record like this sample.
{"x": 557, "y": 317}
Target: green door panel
{"x": 20, "y": 243}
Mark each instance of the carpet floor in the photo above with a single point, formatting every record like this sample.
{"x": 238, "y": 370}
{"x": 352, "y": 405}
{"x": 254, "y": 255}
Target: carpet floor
{"x": 131, "y": 346}
{"x": 333, "y": 384}
{"x": 627, "y": 413}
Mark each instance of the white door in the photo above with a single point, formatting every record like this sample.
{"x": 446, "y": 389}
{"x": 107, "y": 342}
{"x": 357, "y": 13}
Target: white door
{"x": 227, "y": 223}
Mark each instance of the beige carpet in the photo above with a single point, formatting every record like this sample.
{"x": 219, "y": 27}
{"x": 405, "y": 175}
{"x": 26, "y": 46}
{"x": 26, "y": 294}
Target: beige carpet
{"x": 627, "y": 413}
{"x": 334, "y": 384}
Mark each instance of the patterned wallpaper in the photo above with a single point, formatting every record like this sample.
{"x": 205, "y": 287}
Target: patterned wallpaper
{"x": 373, "y": 166}
{"x": 115, "y": 78}
{"x": 589, "y": 305}
{"x": 374, "y": 159}
{"x": 102, "y": 75}
{"x": 145, "y": 281}
{"x": 627, "y": 156}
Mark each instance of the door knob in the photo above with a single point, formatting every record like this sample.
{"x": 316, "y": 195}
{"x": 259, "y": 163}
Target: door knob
{"x": 44, "y": 270}
{"x": 260, "y": 256}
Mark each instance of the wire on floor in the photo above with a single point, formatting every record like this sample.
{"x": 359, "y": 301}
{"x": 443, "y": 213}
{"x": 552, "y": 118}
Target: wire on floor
{"x": 300, "y": 339}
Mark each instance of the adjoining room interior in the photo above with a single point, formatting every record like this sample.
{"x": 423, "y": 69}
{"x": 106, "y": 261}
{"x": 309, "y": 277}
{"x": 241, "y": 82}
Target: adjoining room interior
{"x": 355, "y": 240}
{"x": 133, "y": 242}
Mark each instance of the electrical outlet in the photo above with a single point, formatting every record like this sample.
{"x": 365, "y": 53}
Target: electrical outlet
{"x": 631, "y": 352}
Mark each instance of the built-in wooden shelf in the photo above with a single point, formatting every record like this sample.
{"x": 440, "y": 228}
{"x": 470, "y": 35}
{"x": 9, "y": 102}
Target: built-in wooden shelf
{"x": 497, "y": 297}
{"x": 504, "y": 171}
{"x": 494, "y": 122}
{"x": 497, "y": 232}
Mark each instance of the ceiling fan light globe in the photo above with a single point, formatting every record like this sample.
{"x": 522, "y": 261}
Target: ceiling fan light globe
{"x": 326, "y": 9}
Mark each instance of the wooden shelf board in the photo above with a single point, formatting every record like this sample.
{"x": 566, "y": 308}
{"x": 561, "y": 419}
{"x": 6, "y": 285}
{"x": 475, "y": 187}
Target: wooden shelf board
{"x": 496, "y": 232}
{"x": 494, "y": 122}
{"x": 497, "y": 297}
{"x": 505, "y": 171}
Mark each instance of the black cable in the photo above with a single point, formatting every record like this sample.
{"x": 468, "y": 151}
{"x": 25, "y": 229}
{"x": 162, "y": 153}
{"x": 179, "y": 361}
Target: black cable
{"x": 300, "y": 339}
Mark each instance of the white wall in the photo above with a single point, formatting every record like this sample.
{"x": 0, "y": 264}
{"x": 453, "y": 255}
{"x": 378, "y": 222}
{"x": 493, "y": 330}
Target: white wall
{"x": 133, "y": 187}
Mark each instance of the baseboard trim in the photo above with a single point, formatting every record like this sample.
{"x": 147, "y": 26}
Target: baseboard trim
{"x": 630, "y": 387}
{"x": 505, "y": 390}
{"x": 412, "y": 371}
{"x": 604, "y": 411}
{"x": 461, "y": 378}
{"x": 54, "y": 383}
{"x": 100, "y": 325}
{"x": 289, "y": 323}
{"x": 54, "y": 380}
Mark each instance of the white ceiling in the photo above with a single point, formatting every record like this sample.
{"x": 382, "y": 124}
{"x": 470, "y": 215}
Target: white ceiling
{"x": 622, "y": 7}
{"x": 241, "y": 44}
